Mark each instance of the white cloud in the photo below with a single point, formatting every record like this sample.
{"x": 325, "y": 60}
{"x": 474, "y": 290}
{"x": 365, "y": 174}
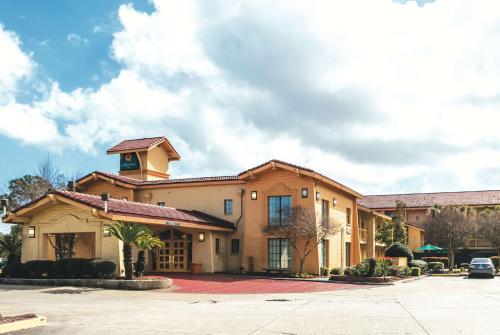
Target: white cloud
{"x": 389, "y": 97}
{"x": 76, "y": 39}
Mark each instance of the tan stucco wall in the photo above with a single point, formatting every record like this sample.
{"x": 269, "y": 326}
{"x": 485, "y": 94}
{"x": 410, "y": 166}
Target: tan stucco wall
{"x": 98, "y": 187}
{"x": 157, "y": 160}
{"x": 62, "y": 218}
{"x": 414, "y": 238}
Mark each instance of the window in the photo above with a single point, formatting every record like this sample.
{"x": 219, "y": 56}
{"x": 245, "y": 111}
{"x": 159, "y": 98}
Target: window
{"x": 417, "y": 218}
{"x": 235, "y": 246}
{"x": 325, "y": 211}
{"x": 161, "y": 204}
{"x": 228, "y": 206}
{"x": 348, "y": 216}
{"x": 279, "y": 209}
{"x": 217, "y": 246}
{"x": 280, "y": 253}
{"x": 324, "y": 253}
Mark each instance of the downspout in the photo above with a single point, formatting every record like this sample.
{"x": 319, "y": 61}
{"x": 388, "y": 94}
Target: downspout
{"x": 241, "y": 209}
{"x": 236, "y": 227}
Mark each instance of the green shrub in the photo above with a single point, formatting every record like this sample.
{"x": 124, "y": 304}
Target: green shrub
{"x": 372, "y": 264}
{"x": 17, "y": 270}
{"x": 456, "y": 270}
{"x": 398, "y": 271}
{"x": 419, "y": 264}
{"x": 382, "y": 267}
{"x": 337, "y": 272}
{"x": 324, "y": 271}
{"x": 39, "y": 268}
{"x": 464, "y": 265}
{"x": 443, "y": 260}
{"x": 359, "y": 270}
{"x": 415, "y": 271}
{"x": 102, "y": 268}
{"x": 79, "y": 268}
{"x": 496, "y": 261}
{"x": 399, "y": 250}
{"x": 436, "y": 266}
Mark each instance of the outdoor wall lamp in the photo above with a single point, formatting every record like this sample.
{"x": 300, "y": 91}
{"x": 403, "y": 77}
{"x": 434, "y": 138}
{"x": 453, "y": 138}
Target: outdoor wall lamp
{"x": 334, "y": 202}
{"x": 317, "y": 196}
{"x": 105, "y": 231}
{"x": 254, "y": 195}
{"x": 31, "y": 232}
{"x": 305, "y": 193}
{"x": 201, "y": 237}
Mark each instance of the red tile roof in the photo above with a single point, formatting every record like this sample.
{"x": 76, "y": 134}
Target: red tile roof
{"x": 139, "y": 182}
{"x": 137, "y": 144}
{"x": 419, "y": 200}
{"x": 316, "y": 175}
{"x": 137, "y": 209}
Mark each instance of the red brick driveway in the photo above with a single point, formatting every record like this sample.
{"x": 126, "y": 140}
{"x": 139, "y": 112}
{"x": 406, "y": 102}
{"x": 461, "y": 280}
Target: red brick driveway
{"x": 231, "y": 284}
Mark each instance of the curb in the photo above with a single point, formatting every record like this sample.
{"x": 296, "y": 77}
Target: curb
{"x": 402, "y": 281}
{"x": 38, "y": 321}
{"x": 113, "y": 284}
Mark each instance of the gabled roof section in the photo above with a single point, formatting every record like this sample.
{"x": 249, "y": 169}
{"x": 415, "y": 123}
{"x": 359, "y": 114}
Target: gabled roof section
{"x": 144, "y": 144}
{"x": 274, "y": 163}
{"x": 425, "y": 200}
{"x": 135, "y": 183}
{"x": 126, "y": 210}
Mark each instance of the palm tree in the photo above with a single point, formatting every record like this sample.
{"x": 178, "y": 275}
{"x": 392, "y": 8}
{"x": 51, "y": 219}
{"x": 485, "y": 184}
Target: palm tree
{"x": 145, "y": 242}
{"x": 10, "y": 247}
{"x": 128, "y": 233}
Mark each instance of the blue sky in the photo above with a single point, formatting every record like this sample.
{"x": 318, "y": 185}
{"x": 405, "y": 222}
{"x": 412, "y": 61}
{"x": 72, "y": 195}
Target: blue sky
{"x": 84, "y": 61}
{"x": 399, "y": 97}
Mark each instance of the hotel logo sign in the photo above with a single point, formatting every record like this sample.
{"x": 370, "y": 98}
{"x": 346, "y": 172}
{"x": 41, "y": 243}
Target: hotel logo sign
{"x": 129, "y": 161}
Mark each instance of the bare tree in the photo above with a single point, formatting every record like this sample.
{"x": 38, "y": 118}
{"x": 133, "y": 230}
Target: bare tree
{"x": 489, "y": 226}
{"x": 304, "y": 231}
{"x": 50, "y": 173}
{"x": 449, "y": 227}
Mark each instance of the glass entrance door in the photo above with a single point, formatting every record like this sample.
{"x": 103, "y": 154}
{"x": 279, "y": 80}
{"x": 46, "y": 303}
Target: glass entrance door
{"x": 173, "y": 257}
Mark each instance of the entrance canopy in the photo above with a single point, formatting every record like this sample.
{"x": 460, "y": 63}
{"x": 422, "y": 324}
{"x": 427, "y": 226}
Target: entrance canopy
{"x": 122, "y": 210}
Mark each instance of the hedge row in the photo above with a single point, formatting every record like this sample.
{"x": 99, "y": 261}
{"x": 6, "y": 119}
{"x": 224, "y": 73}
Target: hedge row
{"x": 398, "y": 249}
{"x": 443, "y": 260}
{"x": 63, "y": 268}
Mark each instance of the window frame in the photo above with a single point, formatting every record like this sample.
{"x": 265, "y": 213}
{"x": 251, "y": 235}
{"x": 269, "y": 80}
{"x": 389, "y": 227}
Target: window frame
{"x": 281, "y": 244}
{"x": 325, "y": 211}
{"x": 233, "y": 241}
{"x": 217, "y": 246}
{"x": 282, "y": 218}
{"x": 226, "y": 202}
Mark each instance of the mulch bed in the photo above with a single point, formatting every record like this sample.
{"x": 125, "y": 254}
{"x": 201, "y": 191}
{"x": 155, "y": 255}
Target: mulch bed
{"x": 10, "y": 319}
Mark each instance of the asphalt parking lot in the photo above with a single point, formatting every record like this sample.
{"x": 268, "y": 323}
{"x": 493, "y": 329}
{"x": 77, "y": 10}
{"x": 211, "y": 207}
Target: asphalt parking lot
{"x": 434, "y": 305}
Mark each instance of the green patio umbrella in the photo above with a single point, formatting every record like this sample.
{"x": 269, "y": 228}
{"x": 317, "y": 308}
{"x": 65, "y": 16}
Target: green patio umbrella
{"x": 429, "y": 248}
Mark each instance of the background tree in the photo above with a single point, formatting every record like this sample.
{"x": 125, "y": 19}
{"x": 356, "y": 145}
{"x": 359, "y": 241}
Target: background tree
{"x": 128, "y": 233}
{"x": 489, "y": 227}
{"x": 10, "y": 248}
{"x": 449, "y": 227}
{"x": 51, "y": 174}
{"x": 394, "y": 231}
{"x": 304, "y": 231}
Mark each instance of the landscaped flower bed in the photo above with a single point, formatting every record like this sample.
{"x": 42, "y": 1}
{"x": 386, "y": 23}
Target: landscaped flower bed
{"x": 372, "y": 270}
{"x": 19, "y": 322}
